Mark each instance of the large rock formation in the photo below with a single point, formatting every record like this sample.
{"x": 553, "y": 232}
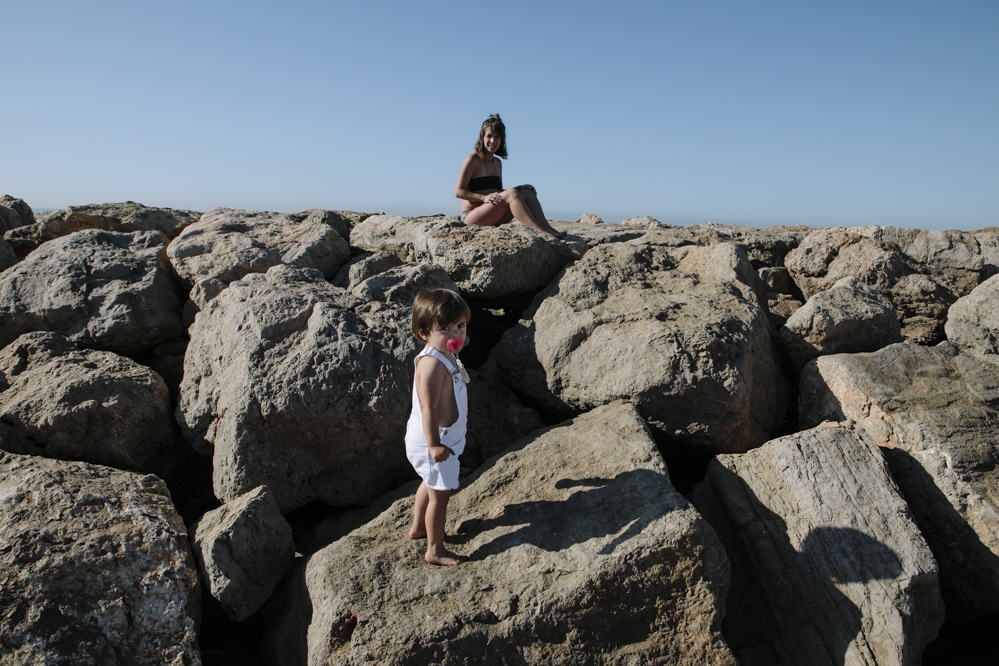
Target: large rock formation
{"x": 578, "y": 551}
{"x": 95, "y": 567}
{"x": 934, "y": 410}
{"x": 107, "y": 290}
{"x": 122, "y": 217}
{"x": 851, "y": 316}
{"x": 920, "y": 297}
{"x": 243, "y": 549}
{"x": 973, "y": 322}
{"x": 7, "y": 256}
{"x": 227, "y": 244}
{"x": 828, "y": 566}
{"x": 679, "y": 332}
{"x": 22, "y": 211}
{"x": 487, "y": 262}
{"x": 61, "y": 402}
{"x": 292, "y": 383}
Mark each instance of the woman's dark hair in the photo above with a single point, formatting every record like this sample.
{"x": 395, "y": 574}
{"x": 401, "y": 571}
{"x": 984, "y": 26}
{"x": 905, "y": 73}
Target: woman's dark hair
{"x": 494, "y": 123}
{"x": 437, "y": 306}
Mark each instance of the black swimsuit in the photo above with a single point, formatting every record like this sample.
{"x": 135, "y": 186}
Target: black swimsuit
{"x": 485, "y": 183}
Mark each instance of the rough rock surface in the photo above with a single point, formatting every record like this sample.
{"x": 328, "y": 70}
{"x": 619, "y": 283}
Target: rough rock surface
{"x": 828, "y": 566}
{"x": 851, "y": 316}
{"x": 954, "y": 253}
{"x": 363, "y": 266}
{"x": 486, "y": 262}
{"x": 23, "y": 211}
{"x": 61, "y": 402}
{"x": 102, "y": 289}
{"x": 401, "y": 285}
{"x": 227, "y": 244}
{"x": 121, "y": 217}
{"x": 574, "y": 556}
{"x": 679, "y": 332}
{"x": 292, "y": 383}
{"x": 828, "y": 255}
{"x": 95, "y": 567}
{"x": 988, "y": 245}
{"x": 7, "y": 255}
{"x": 243, "y": 549}
{"x": 934, "y": 410}
{"x": 973, "y": 322}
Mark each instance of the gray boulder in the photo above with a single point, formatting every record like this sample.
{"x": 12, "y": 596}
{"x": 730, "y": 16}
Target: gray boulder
{"x": 227, "y": 244}
{"x": 292, "y": 383}
{"x": 95, "y": 565}
{"x": 573, "y": 556}
{"x": 851, "y": 316}
{"x": 101, "y": 289}
{"x": 7, "y": 255}
{"x": 402, "y": 284}
{"x": 973, "y": 322}
{"x": 953, "y": 253}
{"x": 61, "y": 402}
{"x": 363, "y": 266}
{"x": 122, "y": 217}
{"x": 921, "y": 299}
{"x": 988, "y": 245}
{"x": 23, "y": 211}
{"x": 933, "y": 411}
{"x": 828, "y": 566}
{"x": 243, "y": 549}
{"x": 486, "y": 262}
{"x": 678, "y": 332}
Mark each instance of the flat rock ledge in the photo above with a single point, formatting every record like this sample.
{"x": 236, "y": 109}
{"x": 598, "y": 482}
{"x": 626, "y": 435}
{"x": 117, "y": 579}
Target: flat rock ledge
{"x": 573, "y": 556}
{"x": 828, "y": 566}
{"x": 95, "y": 568}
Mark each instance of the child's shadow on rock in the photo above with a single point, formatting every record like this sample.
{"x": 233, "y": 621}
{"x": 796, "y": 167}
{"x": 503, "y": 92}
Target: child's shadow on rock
{"x": 629, "y": 502}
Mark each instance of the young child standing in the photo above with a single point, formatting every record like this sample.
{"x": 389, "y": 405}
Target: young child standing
{"x": 435, "y": 432}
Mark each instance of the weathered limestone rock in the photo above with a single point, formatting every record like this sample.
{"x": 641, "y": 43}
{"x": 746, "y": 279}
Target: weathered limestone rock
{"x": 777, "y": 279}
{"x": 101, "y": 289}
{"x": 342, "y": 221}
{"x": 764, "y": 247}
{"x": 292, "y": 383}
{"x": 122, "y": 217}
{"x": 227, "y": 244}
{"x": 851, "y": 316}
{"x": 921, "y": 301}
{"x": 573, "y": 556}
{"x": 243, "y": 549}
{"x": 20, "y": 208}
{"x": 202, "y": 292}
{"x": 95, "y": 567}
{"x": 828, "y": 566}
{"x": 401, "y": 285}
{"x": 363, "y": 266}
{"x": 7, "y": 256}
{"x": 973, "y": 322}
{"x": 679, "y": 332}
{"x": 954, "y": 253}
{"x": 644, "y": 222}
{"x": 988, "y": 245}
{"x": 934, "y": 410}
{"x": 589, "y": 218}
{"x": 61, "y": 402}
{"x": 487, "y": 262}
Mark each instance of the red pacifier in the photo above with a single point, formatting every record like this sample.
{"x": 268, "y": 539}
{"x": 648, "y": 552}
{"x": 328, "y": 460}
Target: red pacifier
{"x": 454, "y": 345}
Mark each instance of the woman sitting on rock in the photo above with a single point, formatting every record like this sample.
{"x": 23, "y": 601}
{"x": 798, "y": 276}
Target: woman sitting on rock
{"x": 480, "y": 185}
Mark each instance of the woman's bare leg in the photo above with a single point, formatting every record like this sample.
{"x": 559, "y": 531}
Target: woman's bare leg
{"x": 523, "y": 213}
{"x": 533, "y": 204}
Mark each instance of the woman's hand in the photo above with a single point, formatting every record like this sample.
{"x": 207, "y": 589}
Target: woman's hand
{"x": 496, "y": 198}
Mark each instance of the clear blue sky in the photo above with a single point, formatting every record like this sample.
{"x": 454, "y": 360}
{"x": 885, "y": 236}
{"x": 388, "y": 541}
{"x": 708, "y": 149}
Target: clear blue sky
{"x": 819, "y": 113}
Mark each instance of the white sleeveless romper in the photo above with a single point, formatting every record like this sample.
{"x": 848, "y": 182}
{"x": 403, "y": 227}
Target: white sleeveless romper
{"x": 439, "y": 476}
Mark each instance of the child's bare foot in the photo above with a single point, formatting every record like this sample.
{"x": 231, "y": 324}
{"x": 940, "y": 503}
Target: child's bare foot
{"x": 417, "y": 534}
{"x": 445, "y": 559}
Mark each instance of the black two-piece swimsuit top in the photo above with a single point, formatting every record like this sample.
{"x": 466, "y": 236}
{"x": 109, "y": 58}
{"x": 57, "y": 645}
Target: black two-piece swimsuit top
{"x": 485, "y": 183}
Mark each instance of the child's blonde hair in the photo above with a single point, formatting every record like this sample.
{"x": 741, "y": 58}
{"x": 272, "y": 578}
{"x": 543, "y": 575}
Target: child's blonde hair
{"x": 437, "y": 306}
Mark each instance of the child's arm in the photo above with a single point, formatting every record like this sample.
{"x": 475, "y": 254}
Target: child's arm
{"x": 431, "y": 377}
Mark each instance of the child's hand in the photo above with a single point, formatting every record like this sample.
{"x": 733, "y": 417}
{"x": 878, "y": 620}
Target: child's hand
{"x": 440, "y": 453}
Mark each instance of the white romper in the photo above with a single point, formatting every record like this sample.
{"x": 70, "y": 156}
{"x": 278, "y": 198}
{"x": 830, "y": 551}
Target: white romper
{"x": 439, "y": 476}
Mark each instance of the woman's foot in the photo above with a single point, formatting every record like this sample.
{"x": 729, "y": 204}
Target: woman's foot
{"x": 445, "y": 559}
{"x": 417, "y": 534}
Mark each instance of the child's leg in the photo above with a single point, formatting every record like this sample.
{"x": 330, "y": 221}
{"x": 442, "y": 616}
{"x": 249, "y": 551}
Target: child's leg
{"x": 419, "y": 528}
{"x": 436, "y": 518}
